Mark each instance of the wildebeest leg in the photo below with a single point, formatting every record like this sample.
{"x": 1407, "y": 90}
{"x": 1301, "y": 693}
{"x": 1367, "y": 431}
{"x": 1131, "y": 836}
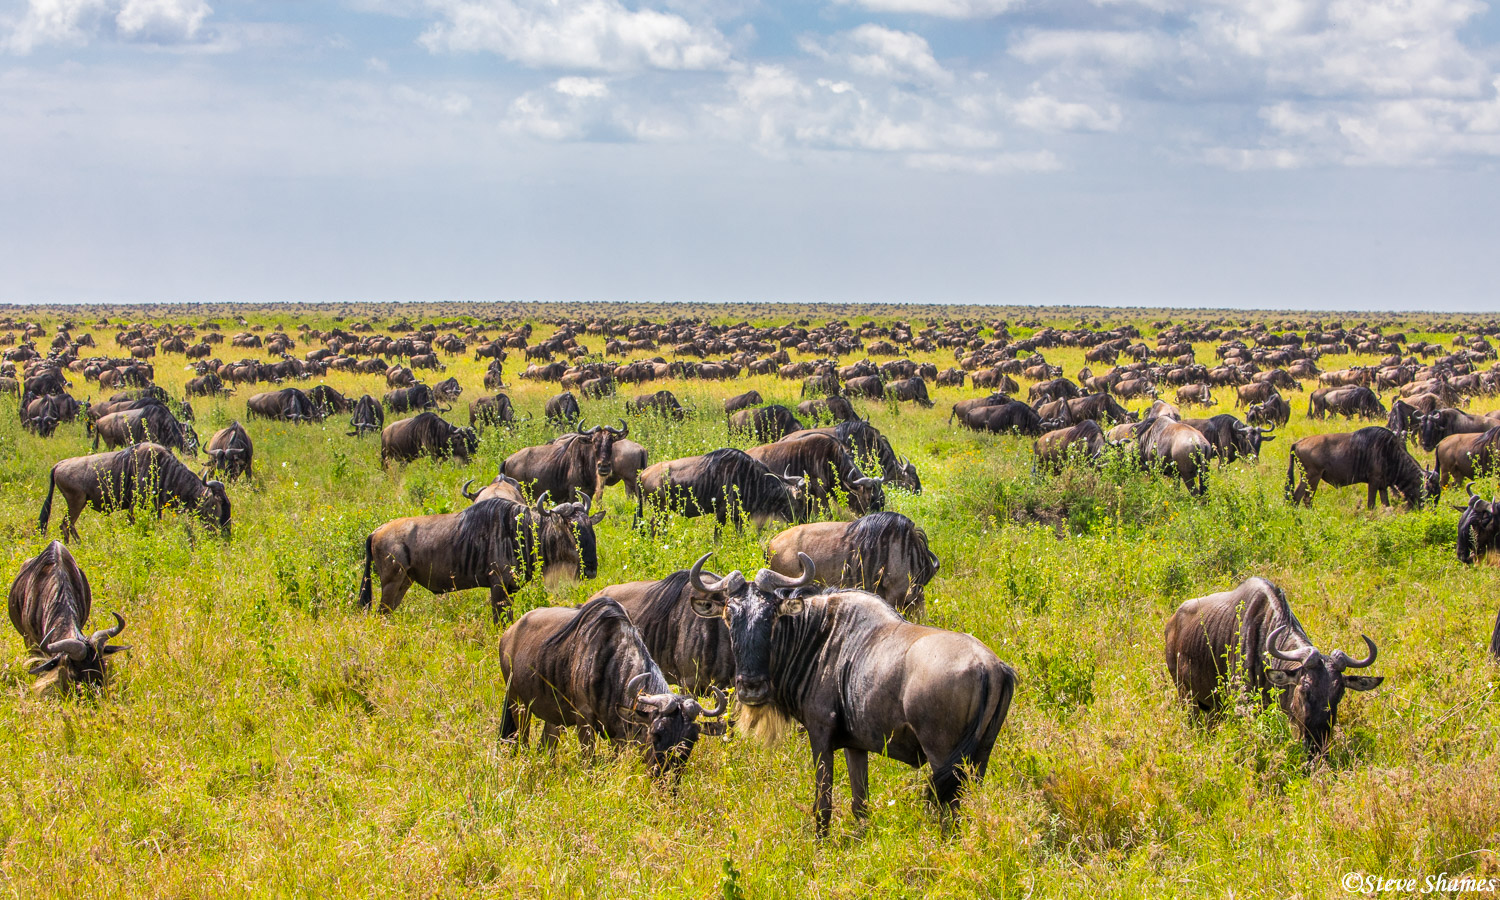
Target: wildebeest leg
{"x": 1385, "y": 497}
{"x": 393, "y": 590}
{"x": 859, "y": 781}
{"x": 549, "y": 736}
{"x": 822, "y": 782}
{"x": 70, "y": 524}
{"x": 499, "y": 602}
{"x": 1370, "y": 491}
{"x": 586, "y": 743}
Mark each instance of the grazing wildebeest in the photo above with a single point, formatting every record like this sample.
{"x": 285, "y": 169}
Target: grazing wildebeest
{"x": 727, "y": 483}
{"x": 589, "y": 668}
{"x": 884, "y": 553}
{"x": 1166, "y": 443}
{"x": 122, "y": 479}
{"x": 49, "y": 604}
{"x": 743, "y": 401}
{"x": 1445, "y": 422}
{"x": 627, "y": 461}
{"x": 448, "y": 389}
{"x": 1195, "y": 394}
{"x": 583, "y": 460}
{"x": 838, "y": 409}
{"x": 416, "y": 397}
{"x": 766, "y": 423}
{"x": 495, "y": 544}
{"x": 1255, "y": 392}
{"x": 1231, "y": 438}
{"x": 1248, "y": 639}
{"x": 1085, "y": 440}
{"x": 328, "y": 400}
{"x": 1055, "y": 389}
{"x": 1349, "y": 401}
{"x": 139, "y": 426}
{"x": 692, "y": 651}
{"x": 1275, "y": 412}
{"x": 287, "y": 404}
{"x": 1013, "y": 416}
{"x": 496, "y": 410}
{"x": 865, "y": 442}
{"x": 426, "y": 434}
{"x": 1466, "y": 456}
{"x": 909, "y": 390}
{"x": 368, "y": 416}
{"x": 562, "y": 409}
{"x": 662, "y": 403}
{"x": 231, "y": 452}
{"x": 963, "y": 407}
{"x": 1374, "y": 456}
{"x": 207, "y": 385}
{"x": 869, "y": 386}
{"x": 1478, "y": 527}
{"x": 827, "y": 465}
{"x": 859, "y": 678}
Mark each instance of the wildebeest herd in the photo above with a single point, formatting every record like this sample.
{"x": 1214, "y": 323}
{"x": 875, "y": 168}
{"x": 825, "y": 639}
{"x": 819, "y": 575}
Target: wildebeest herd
{"x": 829, "y": 637}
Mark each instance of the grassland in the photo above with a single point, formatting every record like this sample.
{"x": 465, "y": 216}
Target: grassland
{"x": 265, "y": 737}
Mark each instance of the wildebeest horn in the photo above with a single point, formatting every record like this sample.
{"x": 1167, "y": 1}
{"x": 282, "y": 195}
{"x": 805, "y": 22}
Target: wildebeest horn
{"x": 1470, "y": 488}
{"x": 541, "y": 502}
{"x": 72, "y": 648}
{"x": 465, "y": 491}
{"x": 103, "y": 635}
{"x": 630, "y": 689}
{"x": 768, "y": 581}
{"x": 585, "y": 499}
{"x": 1272, "y": 641}
{"x": 1341, "y": 659}
{"x": 718, "y": 710}
{"x": 580, "y": 425}
{"x": 730, "y": 583}
{"x": 620, "y": 432}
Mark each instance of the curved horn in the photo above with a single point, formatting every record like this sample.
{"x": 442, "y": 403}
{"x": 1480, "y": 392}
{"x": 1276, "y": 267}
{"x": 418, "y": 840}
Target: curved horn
{"x": 585, "y": 499}
{"x": 1359, "y": 663}
{"x": 541, "y": 502}
{"x": 767, "y": 580}
{"x": 695, "y": 578}
{"x": 580, "y": 424}
{"x": 721, "y": 707}
{"x": 104, "y": 635}
{"x": 1272, "y": 641}
{"x": 1470, "y": 488}
{"x": 620, "y": 432}
{"x": 72, "y": 648}
{"x": 630, "y": 689}
{"x": 465, "y": 491}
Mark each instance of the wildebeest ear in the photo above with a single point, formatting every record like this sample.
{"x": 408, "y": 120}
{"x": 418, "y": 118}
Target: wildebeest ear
{"x": 1363, "y": 682}
{"x": 597, "y": 517}
{"x": 114, "y": 648}
{"x": 791, "y": 604}
{"x": 713, "y": 727}
{"x": 1282, "y": 678}
{"x": 709, "y": 607}
{"x": 47, "y": 666}
{"x": 1266, "y": 439}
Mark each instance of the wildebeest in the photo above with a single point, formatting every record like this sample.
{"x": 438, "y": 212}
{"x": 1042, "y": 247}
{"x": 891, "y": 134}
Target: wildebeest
{"x": 628, "y": 460}
{"x": 496, "y": 410}
{"x": 49, "y": 604}
{"x": 328, "y": 400}
{"x": 448, "y": 389}
{"x": 145, "y": 474}
{"x": 1249, "y": 640}
{"x": 1275, "y": 412}
{"x": 1195, "y": 394}
{"x": 727, "y": 483}
{"x": 884, "y": 553}
{"x": 1374, "y": 456}
{"x": 562, "y": 409}
{"x": 206, "y": 385}
{"x": 692, "y": 651}
{"x": 859, "y": 678}
{"x": 765, "y": 423}
{"x": 1013, "y": 416}
{"x": 589, "y": 668}
{"x": 1052, "y": 450}
{"x": 963, "y": 407}
{"x": 231, "y": 452}
{"x": 867, "y": 444}
{"x": 1255, "y": 392}
{"x": 426, "y": 434}
{"x": 506, "y": 488}
{"x": 1478, "y": 531}
{"x": 368, "y": 416}
{"x": 1054, "y": 389}
{"x": 1348, "y": 401}
{"x": 287, "y": 404}
{"x": 909, "y": 390}
{"x": 742, "y": 401}
{"x": 416, "y": 397}
{"x": 662, "y": 403}
{"x": 1436, "y": 426}
{"x": 495, "y": 544}
{"x": 839, "y": 409}
{"x": 1466, "y": 456}
{"x": 583, "y": 460}
{"x": 1168, "y": 444}
{"x": 827, "y": 465}
{"x": 151, "y": 424}
{"x": 1231, "y": 438}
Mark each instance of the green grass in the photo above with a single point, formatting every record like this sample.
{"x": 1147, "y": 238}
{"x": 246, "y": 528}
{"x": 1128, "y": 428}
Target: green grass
{"x": 266, "y": 737}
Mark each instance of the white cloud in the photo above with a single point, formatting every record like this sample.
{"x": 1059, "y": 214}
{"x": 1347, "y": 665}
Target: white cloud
{"x": 1126, "y": 49}
{"x": 575, "y": 34}
{"x": 881, "y": 53}
{"x": 947, "y": 9}
{"x": 1047, "y": 113}
{"x": 574, "y": 86}
{"x": 76, "y": 22}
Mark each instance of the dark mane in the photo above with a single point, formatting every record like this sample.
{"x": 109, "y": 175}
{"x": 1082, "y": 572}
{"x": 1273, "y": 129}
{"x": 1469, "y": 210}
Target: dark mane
{"x": 873, "y": 539}
{"x": 486, "y": 528}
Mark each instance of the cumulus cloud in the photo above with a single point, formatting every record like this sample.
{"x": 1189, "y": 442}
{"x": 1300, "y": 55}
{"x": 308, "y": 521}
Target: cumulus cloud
{"x": 76, "y": 22}
{"x": 947, "y": 9}
{"x": 881, "y": 52}
{"x": 599, "y": 35}
{"x": 1046, "y": 113}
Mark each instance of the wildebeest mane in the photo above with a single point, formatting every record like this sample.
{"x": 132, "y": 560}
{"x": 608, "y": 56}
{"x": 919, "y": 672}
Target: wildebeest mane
{"x": 876, "y": 538}
{"x": 490, "y": 528}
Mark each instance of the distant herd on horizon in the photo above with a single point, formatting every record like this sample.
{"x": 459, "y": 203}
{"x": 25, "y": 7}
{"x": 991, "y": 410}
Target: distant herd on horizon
{"x": 826, "y": 637}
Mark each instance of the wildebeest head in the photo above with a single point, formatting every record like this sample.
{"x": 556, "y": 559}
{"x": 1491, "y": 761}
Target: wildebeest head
{"x": 1248, "y": 439}
{"x": 44, "y": 426}
{"x": 568, "y": 546}
{"x": 750, "y": 609}
{"x": 1478, "y": 527}
{"x": 1311, "y": 692}
{"x": 673, "y": 723}
{"x": 213, "y": 506}
{"x": 80, "y": 661}
{"x": 603, "y": 440}
{"x": 226, "y": 459}
{"x": 867, "y": 495}
{"x": 1431, "y": 431}
{"x": 465, "y": 438}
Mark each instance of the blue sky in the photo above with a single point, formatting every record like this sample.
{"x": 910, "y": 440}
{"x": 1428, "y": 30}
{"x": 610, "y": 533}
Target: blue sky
{"x": 1268, "y": 153}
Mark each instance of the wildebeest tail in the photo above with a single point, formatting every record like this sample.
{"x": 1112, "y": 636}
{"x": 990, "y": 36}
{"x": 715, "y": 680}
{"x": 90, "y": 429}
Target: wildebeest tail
{"x": 364, "y": 583}
{"x": 510, "y": 724}
{"x": 1495, "y": 640}
{"x": 973, "y": 747}
{"x": 41, "y": 524}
